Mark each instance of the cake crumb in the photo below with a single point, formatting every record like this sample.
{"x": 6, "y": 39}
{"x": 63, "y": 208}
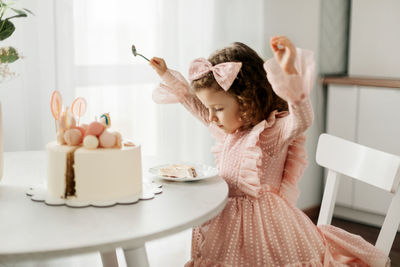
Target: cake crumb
{"x": 129, "y": 143}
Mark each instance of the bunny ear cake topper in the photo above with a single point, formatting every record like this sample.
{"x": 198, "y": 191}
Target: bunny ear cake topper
{"x": 90, "y": 136}
{"x": 56, "y": 106}
{"x": 78, "y": 107}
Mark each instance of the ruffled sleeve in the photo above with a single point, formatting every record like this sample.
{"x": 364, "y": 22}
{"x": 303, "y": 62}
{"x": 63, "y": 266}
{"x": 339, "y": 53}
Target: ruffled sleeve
{"x": 295, "y": 89}
{"x": 290, "y": 87}
{"x": 177, "y": 90}
{"x": 173, "y": 91}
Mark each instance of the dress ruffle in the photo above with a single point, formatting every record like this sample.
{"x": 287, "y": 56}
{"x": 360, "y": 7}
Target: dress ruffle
{"x": 292, "y": 88}
{"x": 296, "y": 162}
{"x": 204, "y": 262}
{"x": 350, "y": 249}
{"x": 217, "y": 133}
{"x": 217, "y": 151}
{"x": 164, "y": 94}
{"x": 219, "y": 136}
{"x": 249, "y": 181}
{"x": 312, "y": 263}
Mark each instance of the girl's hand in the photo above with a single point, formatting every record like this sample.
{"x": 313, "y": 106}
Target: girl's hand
{"x": 159, "y": 65}
{"x": 284, "y": 53}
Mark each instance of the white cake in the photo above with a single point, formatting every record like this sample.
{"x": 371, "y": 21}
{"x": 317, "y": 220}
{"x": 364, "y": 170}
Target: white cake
{"x": 90, "y": 164}
{"x": 93, "y": 175}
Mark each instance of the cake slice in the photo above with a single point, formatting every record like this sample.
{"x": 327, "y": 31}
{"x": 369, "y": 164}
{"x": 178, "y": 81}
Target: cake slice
{"x": 178, "y": 171}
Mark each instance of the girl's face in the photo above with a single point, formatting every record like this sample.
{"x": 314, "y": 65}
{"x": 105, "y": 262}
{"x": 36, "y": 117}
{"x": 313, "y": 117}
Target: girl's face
{"x": 223, "y": 109}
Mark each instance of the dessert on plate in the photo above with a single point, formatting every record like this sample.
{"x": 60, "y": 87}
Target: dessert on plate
{"x": 178, "y": 171}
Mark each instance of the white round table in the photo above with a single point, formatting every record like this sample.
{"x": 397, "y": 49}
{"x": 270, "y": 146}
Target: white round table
{"x": 34, "y": 230}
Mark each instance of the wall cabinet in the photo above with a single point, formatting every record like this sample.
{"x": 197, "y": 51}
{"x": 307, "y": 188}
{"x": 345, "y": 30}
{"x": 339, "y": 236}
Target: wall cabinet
{"x": 369, "y": 116}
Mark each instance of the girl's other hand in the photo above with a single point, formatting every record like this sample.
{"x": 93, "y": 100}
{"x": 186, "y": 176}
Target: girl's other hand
{"x": 159, "y": 65}
{"x": 284, "y": 53}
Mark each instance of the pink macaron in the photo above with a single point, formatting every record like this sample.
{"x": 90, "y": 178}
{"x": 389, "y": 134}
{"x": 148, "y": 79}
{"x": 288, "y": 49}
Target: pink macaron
{"x": 107, "y": 139}
{"x": 95, "y": 128}
{"x": 73, "y": 137}
{"x": 81, "y": 129}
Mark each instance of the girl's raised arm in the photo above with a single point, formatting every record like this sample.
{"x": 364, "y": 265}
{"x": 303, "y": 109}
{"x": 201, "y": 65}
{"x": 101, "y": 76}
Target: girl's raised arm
{"x": 176, "y": 89}
{"x": 291, "y": 74}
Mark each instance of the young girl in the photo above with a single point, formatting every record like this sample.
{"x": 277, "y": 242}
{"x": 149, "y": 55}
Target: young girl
{"x": 258, "y": 124}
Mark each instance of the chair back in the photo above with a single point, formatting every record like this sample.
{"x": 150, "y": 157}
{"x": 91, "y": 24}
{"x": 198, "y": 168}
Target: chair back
{"x": 371, "y": 166}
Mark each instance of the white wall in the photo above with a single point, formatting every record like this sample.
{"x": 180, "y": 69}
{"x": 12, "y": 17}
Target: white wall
{"x": 299, "y": 20}
{"x": 375, "y": 38}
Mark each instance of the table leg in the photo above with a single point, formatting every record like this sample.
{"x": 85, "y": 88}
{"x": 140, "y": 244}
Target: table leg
{"x": 109, "y": 259}
{"x": 136, "y": 257}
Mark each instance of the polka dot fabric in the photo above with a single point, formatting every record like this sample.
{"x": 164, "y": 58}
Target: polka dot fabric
{"x": 261, "y": 225}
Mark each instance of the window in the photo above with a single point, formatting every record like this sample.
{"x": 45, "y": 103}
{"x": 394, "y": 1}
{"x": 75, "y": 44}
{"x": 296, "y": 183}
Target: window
{"x": 104, "y": 70}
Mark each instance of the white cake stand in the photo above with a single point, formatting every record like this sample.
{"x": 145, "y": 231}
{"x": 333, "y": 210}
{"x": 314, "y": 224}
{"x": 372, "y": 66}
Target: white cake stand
{"x": 38, "y": 193}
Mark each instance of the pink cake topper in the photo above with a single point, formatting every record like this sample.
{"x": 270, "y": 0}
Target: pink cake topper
{"x": 90, "y": 136}
{"x": 56, "y": 105}
{"x": 78, "y": 107}
{"x": 67, "y": 119}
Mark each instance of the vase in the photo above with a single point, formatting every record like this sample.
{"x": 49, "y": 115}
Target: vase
{"x": 1, "y": 144}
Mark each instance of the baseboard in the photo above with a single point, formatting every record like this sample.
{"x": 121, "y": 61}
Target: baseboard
{"x": 312, "y": 212}
{"x": 345, "y": 213}
{"x": 358, "y": 216}
{"x": 349, "y": 214}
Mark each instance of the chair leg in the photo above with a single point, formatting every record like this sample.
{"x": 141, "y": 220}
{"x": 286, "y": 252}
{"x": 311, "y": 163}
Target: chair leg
{"x": 329, "y": 198}
{"x": 109, "y": 259}
{"x": 136, "y": 257}
{"x": 390, "y": 225}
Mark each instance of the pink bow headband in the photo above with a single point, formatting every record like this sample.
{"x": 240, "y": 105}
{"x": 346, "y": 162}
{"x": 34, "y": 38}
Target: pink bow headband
{"x": 224, "y": 73}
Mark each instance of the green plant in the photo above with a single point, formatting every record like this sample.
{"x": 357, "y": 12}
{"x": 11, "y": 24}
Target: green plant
{"x": 8, "y": 54}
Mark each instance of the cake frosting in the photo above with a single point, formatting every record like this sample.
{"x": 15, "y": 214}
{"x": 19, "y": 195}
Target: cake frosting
{"x": 89, "y": 163}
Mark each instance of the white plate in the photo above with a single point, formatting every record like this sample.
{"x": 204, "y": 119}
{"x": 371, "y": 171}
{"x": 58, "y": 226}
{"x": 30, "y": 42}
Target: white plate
{"x": 203, "y": 172}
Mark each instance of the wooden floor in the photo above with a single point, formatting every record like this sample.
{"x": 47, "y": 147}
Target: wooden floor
{"x": 370, "y": 234}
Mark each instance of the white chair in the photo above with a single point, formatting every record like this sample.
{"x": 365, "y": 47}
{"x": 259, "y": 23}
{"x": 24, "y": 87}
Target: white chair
{"x": 365, "y": 164}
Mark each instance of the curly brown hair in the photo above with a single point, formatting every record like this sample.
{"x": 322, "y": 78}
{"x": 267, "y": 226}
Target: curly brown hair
{"x": 251, "y": 87}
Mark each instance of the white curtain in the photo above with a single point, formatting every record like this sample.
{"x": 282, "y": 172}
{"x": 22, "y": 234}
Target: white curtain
{"x": 83, "y": 48}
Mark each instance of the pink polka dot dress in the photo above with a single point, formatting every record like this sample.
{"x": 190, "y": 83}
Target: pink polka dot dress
{"x": 261, "y": 225}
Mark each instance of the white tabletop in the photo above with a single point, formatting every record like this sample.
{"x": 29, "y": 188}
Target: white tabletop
{"x": 34, "y": 230}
